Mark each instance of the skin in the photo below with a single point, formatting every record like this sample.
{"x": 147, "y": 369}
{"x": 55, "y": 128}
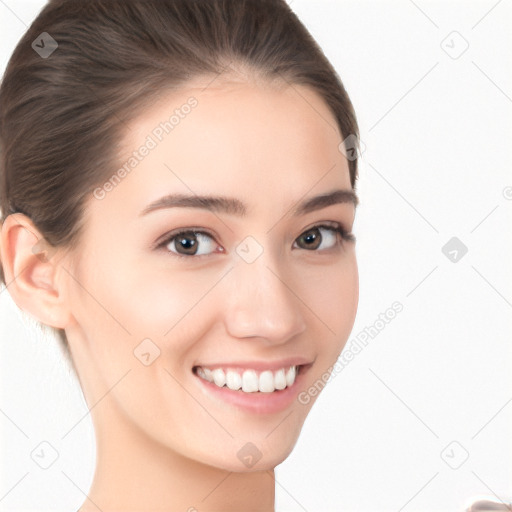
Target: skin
{"x": 162, "y": 444}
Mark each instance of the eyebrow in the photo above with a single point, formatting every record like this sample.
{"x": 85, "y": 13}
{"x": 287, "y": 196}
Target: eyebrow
{"x": 233, "y": 206}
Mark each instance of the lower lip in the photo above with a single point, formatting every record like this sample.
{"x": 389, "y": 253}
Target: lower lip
{"x": 257, "y": 402}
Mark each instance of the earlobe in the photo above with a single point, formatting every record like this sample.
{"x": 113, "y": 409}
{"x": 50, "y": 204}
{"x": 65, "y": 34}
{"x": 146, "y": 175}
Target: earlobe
{"x": 30, "y": 267}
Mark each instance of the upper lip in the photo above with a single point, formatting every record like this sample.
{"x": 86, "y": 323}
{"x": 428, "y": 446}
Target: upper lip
{"x": 259, "y": 365}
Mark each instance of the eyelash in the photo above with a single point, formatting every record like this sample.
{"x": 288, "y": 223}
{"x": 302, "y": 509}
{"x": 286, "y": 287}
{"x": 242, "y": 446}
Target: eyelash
{"x": 346, "y": 237}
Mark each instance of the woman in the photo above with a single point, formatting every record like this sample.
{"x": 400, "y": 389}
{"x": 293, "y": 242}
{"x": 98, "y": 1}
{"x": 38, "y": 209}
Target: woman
{"x": 178, "y": 194}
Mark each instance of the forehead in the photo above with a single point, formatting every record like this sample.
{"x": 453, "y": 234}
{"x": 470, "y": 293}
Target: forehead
{"x": 256, "y": 141}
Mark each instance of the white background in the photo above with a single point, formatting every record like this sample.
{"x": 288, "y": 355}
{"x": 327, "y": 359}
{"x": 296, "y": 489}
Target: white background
{"x": 434, "y": 386}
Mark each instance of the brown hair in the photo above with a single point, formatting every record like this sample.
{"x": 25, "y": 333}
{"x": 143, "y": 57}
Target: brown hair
{"x": 62, "y": 114}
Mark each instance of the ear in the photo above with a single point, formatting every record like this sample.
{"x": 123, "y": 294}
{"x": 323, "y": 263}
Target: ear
{"x": 31, "y": 267}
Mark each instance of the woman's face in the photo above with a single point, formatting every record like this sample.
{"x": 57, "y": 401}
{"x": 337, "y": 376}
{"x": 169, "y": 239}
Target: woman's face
{"x": 261, "y": 288}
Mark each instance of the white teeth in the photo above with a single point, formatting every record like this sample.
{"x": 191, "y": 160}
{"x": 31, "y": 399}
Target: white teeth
{"x": 233, "y": 380}
{"x": 219, "y": 377}
{"x": 290, "y": 376}
{"x": 280, "y": 379}
{"x": 249, "y": 381}
{"x": 266, "y": 382}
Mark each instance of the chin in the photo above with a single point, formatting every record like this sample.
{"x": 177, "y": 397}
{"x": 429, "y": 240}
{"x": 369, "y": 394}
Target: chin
{"x": 247, "y": 456}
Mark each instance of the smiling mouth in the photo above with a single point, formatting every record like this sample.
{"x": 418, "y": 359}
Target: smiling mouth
{"x": 251, "y": 381}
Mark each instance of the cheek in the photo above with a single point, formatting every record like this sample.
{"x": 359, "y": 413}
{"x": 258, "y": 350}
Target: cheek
{"x": 119, "y": 301}
{"x": 169, "y": 301}
{"x": 173, "y": 308}
{"x": 134, "y": 298}
{"x": 333, "y": 300}
{"x": 336, "y": 292}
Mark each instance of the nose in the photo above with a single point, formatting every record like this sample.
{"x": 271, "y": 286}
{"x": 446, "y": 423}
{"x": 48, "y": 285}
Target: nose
{"x": 262, "y": 303}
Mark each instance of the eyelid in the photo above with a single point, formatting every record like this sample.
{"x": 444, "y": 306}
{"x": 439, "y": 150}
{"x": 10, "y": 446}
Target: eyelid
{"x": 165, "y": 239}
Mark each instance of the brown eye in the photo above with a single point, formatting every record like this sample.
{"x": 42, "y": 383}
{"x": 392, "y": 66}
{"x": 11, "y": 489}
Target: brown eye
{"x": 314, "y": 237}
{"x": 194, "y": 243}
{"x": 189, "y": 243}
